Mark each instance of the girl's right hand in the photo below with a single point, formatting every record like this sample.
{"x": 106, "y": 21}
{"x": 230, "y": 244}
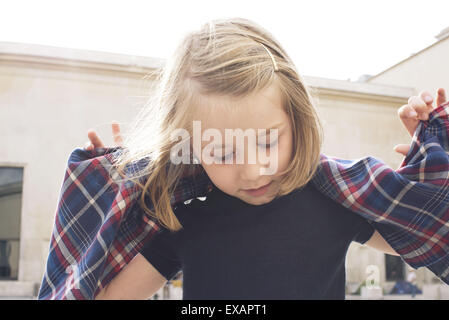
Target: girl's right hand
{"x": 418, "y": 108}
{"x": 95, "y": 141}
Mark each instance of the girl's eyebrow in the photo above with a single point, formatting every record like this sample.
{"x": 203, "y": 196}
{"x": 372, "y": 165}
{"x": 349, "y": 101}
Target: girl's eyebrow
{"x": 280, "y": 126}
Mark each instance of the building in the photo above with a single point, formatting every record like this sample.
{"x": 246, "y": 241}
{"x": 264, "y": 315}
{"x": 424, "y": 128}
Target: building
{"x": 50, "y": 97}
{"x": 424, "y": 70}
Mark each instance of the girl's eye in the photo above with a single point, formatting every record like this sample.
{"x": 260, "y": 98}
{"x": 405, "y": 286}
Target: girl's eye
{"x": 268, "y": 146}
{"x": 225, "y": 157}
{"x": 265, "y": 146}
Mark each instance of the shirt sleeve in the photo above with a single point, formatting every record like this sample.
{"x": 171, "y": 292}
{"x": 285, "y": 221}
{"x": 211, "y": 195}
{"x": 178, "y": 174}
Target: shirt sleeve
{"x": 161, "y": 254}
{"x": 364, "y": 232}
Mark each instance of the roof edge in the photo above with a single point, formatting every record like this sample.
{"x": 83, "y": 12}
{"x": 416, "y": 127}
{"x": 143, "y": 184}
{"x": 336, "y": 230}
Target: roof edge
{"x": 34, "y": 53}
{"x": 74, "y": 57}
{"x": 364, "y": 88}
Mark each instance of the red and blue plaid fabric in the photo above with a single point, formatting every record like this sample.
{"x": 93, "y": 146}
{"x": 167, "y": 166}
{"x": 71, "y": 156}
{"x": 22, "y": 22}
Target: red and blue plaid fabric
{"x": 99, "y": 225}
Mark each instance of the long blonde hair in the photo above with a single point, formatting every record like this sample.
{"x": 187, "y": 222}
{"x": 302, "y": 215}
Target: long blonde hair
{"x": 231, "y": 57}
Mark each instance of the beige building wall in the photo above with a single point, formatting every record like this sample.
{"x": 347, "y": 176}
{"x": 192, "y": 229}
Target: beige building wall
{"x": 50, "y": 97}
{"x": 360, "y": 119}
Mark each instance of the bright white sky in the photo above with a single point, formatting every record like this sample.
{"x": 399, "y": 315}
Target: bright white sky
{"x": 333, "y": 39}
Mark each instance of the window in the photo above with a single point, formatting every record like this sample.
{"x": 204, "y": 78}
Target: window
{"x": 11, "y": 180}
{"x": 394, "y": 268}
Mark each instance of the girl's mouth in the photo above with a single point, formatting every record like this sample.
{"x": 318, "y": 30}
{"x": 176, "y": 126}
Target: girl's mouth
{"x": 258, "y": 192}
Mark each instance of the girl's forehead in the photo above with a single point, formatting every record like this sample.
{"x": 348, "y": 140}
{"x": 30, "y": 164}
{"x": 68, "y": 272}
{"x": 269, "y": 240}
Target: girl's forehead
{"x": 256, "y": 110}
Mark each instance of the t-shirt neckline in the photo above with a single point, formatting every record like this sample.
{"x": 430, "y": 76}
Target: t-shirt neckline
{"x": 233, "y": 202}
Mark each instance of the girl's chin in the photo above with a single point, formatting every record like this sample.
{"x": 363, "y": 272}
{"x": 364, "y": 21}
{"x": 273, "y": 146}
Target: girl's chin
{"x": 258, "y": 200}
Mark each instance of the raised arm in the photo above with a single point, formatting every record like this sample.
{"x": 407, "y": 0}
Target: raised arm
{"x": 417, "y": 108}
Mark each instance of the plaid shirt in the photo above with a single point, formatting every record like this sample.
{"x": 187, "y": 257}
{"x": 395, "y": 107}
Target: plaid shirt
{"x": 99, "y": 225}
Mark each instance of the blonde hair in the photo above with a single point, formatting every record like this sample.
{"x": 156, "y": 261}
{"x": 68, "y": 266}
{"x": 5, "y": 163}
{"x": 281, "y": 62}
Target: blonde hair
{"x": 231, "y": 57}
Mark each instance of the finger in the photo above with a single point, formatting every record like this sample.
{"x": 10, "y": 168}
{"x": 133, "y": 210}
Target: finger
{"x": 116, "y": 134}
{"x": 94, "y": 139}
{"x": 427, "y": 98}
{"x": 409, "y": 118}
{"x": 441, "y": 96}
{"x": 402, "y": 149}
{"x": 88, "y": 146}
{"x": 420, "y": 106}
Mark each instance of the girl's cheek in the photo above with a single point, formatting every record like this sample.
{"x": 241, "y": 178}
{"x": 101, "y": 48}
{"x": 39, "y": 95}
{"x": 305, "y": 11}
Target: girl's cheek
{"x": 222, "y": 176}
{"x": 284, "y": 153}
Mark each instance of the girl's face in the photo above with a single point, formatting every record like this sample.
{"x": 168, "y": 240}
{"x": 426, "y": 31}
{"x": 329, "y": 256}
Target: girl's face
{"x": 259, "y": 110}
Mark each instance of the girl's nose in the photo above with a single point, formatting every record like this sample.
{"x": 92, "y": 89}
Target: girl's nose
{"x": 252, "y": 170}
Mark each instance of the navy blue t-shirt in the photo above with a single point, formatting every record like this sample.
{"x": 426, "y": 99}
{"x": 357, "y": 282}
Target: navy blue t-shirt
{"x": 293, "y": 247}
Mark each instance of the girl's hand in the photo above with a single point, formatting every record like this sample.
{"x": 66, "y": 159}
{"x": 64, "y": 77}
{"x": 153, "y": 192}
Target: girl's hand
{"x": 95, "y": 141}
{"x": 418, "y": 108}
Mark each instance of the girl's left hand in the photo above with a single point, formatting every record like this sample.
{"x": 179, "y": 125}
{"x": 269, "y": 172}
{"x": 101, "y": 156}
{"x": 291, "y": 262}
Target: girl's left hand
{"x": 95, "y": 141}
{"x": 418, "y": 108}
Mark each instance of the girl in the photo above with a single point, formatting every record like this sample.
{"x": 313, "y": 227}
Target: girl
{"x": 255, "y": 236}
